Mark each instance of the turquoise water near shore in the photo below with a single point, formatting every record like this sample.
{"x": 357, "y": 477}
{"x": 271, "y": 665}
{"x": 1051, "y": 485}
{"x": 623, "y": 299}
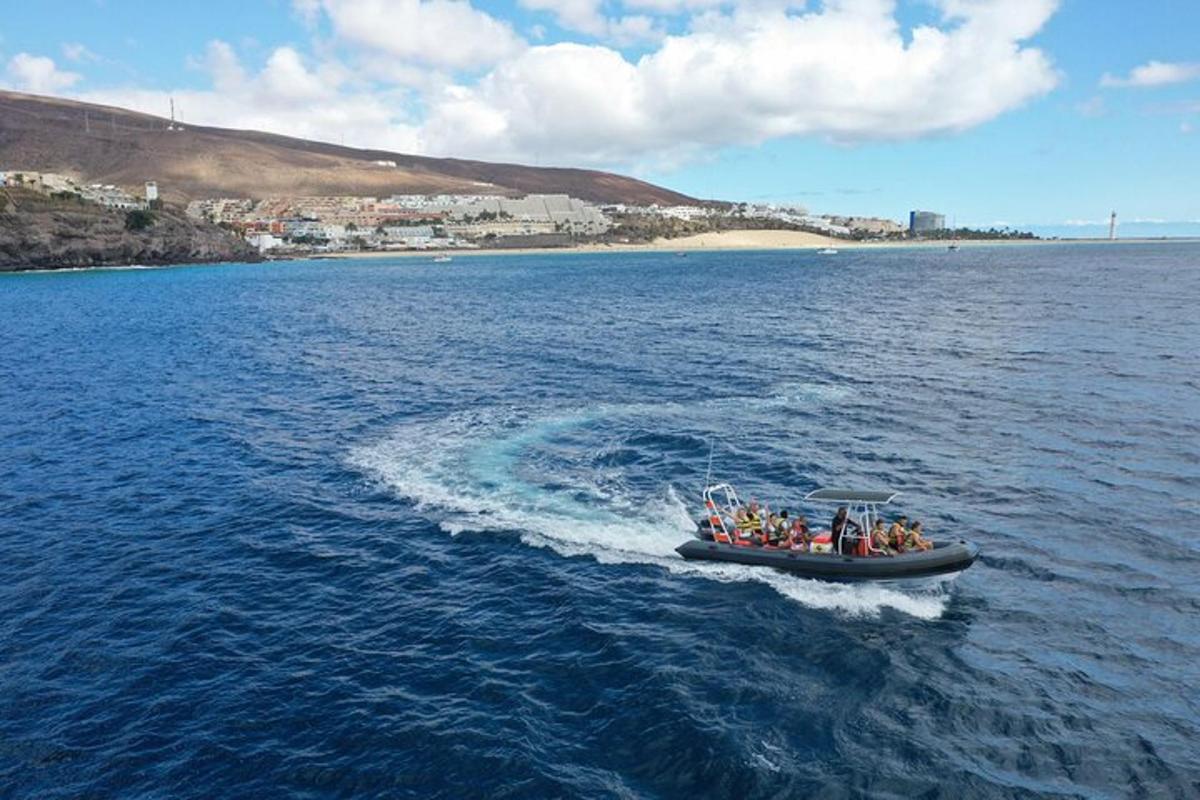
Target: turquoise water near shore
{"x": 395, "y": 528}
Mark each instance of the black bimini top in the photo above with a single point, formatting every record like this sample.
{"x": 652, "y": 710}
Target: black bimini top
{"x": 852, "y": 496}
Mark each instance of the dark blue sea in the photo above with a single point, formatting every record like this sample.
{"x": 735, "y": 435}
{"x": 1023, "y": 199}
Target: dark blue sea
{"x": 389, "y": 528}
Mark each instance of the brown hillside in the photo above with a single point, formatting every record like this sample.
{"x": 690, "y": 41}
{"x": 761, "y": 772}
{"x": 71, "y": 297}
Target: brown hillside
{"x": 126, "y": 148}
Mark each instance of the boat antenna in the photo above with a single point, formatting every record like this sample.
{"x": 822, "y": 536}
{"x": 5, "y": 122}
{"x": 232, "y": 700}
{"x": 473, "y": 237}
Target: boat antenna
{"x": 708, "y": 472}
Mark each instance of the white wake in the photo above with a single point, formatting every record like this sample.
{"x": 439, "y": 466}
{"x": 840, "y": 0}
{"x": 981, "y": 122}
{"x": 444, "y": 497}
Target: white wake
{"x": 488, "y": 469}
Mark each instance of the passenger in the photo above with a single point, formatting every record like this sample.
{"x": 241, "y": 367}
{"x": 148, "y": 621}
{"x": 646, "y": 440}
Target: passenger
{"x": 915, "y": 540}
{"x": 753, "y": 522}
{"x": 841, "y": 521}
{"x": 776, "y": 528}
{"x": 772, "y": 532}
{"x": 741, "y": 530}
{"x": 879, "y": 539}
{"x": 785, "y": 538}
{"x": 798, "y": 537}
{"x": 898, "y": 534}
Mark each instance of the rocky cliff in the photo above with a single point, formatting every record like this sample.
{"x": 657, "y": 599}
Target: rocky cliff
{"x": 38, "y": 232}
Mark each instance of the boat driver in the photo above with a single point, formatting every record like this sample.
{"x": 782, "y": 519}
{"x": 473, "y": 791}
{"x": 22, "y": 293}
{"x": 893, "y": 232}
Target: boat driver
{"x": 841, "y": 521}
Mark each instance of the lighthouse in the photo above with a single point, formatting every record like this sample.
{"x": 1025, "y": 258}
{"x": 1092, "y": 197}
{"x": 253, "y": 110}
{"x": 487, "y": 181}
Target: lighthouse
{"x": 1112, "y": 227}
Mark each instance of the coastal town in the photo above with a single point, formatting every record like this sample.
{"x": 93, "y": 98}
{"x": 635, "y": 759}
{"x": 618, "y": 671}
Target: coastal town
{"x": 287, "y": 226}
{"x": 282, "y": 225}
{"x": 54, "y": 184}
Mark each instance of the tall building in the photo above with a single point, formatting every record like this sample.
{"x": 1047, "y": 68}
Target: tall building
{"x": 925, "y": 222}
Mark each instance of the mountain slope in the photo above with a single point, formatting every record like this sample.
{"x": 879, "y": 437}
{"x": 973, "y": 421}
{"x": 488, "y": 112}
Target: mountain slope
{"x": 112, "y": 145}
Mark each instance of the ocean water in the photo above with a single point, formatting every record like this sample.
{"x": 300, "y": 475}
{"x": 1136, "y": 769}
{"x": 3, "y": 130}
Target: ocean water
{"x": 403, "y": 529}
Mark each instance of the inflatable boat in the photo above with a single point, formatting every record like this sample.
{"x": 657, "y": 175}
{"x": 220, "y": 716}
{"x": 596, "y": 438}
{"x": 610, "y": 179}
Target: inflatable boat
{"x": 858, "y": 560}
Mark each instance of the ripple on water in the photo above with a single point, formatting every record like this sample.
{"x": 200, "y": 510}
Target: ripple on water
{"x": 388, "y": 529}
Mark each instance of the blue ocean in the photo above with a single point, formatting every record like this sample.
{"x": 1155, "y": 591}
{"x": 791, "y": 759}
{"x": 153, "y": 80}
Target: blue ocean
{"x": 390, "y": 528}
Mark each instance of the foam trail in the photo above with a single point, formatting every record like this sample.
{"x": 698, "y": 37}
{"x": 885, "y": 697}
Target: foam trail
{"x": 478, "y": 471}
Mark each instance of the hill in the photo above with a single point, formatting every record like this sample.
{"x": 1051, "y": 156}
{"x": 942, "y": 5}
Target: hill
{"x": 40, "y": 232}
{"x": 126, "y": 148}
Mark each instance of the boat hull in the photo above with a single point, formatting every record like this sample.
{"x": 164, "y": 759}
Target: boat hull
{"x": 945, "y": 558}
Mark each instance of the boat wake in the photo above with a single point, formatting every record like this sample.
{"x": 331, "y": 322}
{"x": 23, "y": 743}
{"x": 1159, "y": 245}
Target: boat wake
{"x": 552, "y": 481}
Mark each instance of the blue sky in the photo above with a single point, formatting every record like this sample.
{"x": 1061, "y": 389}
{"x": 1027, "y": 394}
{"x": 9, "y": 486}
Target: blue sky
{"x": 1020, "y": 112}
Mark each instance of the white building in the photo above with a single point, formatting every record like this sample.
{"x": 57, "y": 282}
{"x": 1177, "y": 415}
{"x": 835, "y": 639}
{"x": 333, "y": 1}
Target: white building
{"x": 111, "y": 196}
{"x": 684, "y": 212}
{"x": 264, "y": 241}
{"x": 540, "y": 213}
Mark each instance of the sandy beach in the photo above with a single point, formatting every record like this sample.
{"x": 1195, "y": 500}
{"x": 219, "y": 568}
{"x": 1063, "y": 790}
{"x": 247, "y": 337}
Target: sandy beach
{"x": 733, "y": 240}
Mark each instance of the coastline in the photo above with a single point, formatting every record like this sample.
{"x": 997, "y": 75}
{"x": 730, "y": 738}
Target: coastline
{"x": 734, "y": 241}
{"x": 724, "y": 241}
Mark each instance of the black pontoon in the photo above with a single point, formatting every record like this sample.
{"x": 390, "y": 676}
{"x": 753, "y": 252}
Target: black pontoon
{"x": 717, "y": 540}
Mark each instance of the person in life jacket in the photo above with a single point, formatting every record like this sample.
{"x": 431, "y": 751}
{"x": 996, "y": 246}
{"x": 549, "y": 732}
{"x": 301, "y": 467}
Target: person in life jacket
{"x": 798, "y": 537}
{"x": 739, "y": 518}
{"x": 742, "y": 534}
{"x": 754, "y": 511}
{"x": 753, "y": 523}
{"x": 915, "y": 540}
{"x": 898, "y": 534}
{"x": 777, "y": 529}
{"x": 879, "y": 539}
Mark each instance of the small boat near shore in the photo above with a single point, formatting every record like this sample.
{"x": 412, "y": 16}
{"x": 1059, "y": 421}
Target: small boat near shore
{"x": 442, "y": 259}
{"x": 828, "y": 251}
{"x": 859, "y": 560}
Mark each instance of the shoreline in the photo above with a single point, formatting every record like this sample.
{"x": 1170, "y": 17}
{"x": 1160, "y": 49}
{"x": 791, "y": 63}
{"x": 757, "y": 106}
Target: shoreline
{"x": 724, "y": 241}
{"x": 730, "y": 241}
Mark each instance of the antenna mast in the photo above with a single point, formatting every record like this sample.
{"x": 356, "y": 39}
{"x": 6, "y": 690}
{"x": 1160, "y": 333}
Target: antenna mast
{"x": 708, "y": 472}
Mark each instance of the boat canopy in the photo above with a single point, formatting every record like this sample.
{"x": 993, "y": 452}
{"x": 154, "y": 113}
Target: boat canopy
{"x": 852, "y": 496}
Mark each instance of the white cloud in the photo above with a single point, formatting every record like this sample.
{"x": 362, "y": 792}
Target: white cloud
{"x": 1154, "y": 73}
{"x": 402, "y": 75}
{"x": 587, "y": 17}
{"x": 286, "y": 96}
{"x": 577, "y": 15}
{"x": 674, "y": 6}
{"x": 440, "y": 33}
{"x": 844, "y": 72}
{"x": 74, "y": 51}
{"x": 38, "y": 74}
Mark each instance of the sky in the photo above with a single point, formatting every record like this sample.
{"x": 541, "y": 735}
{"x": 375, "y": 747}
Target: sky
{"x": 1035, "y": 114}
